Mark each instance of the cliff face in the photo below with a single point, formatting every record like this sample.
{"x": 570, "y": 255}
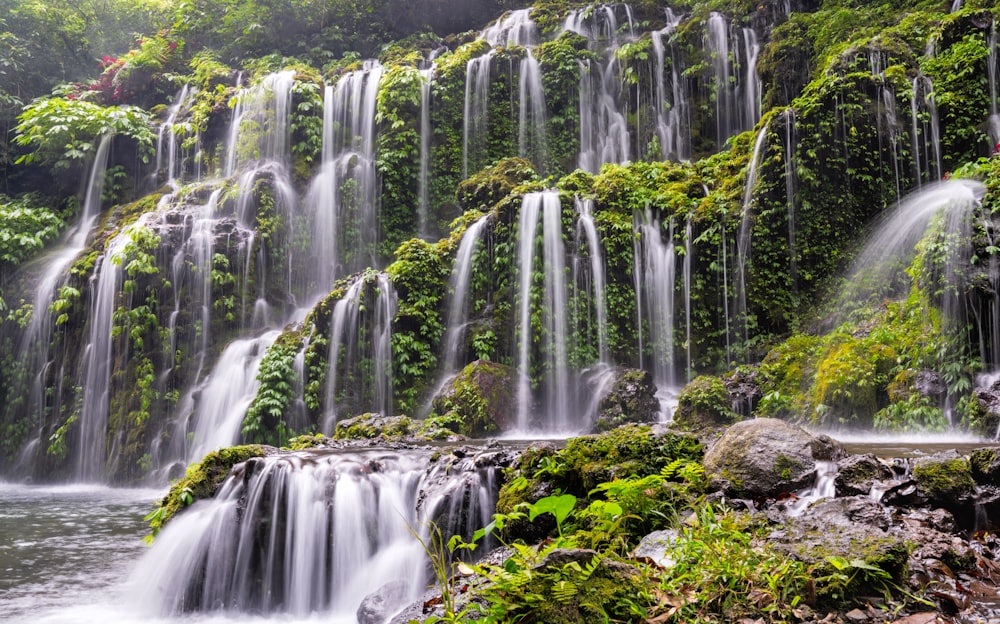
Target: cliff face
{"x": 571, "y": 192}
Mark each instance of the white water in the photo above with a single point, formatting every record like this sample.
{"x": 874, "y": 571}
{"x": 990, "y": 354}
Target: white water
{"x": 34, "y": 344}
{"x": 656, "y": 274}
{"x": 744, "y": 240}
{"x": 318, "y": 532}
{"x": 97, "y": 367}
{"x": 545, "y": 352}
{"x": 364, "y": 312}
{"x": 459, "y": 285}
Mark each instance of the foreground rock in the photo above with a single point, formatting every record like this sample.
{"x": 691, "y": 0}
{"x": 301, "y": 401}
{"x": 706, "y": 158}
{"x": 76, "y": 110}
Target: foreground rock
{"x": 766, "y": 458}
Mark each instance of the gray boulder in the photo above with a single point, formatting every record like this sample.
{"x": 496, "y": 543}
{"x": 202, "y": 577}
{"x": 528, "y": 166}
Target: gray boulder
{"x": 766, "y": 457}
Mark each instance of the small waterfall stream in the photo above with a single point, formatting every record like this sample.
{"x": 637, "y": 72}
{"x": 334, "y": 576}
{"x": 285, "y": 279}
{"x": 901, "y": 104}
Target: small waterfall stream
{"x": 316, "y": 532}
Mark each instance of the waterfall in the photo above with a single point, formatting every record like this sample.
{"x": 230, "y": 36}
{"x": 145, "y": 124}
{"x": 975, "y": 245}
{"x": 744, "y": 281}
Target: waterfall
{"x": 532, "y": 142}
{"x": 926, "y": 133}
{"x": 878, "y": 270}
{"x": 227, "y": 393}
{"x": 744, "y": 239}
{"x": 475, "y": 120}
{"x": 359, "y": 377}
{"x": 587, "y": 238}
{"x": 459, "y": 284}
{"x": 543, "y": 353}
{"x": 790, "y": 190}
{"x": 736, "y": 85}
{"x": 604, "y": 133}
{"x": 673, "y": 116}
{"x": 315, "y": 532}
{"x": 423, "y": 179}
{"x": 259, "y": 129}
{"x": 515, "y": 29}
{"x": 98, "y": 357}
{"x": 656, "y": 276}
{"x": 34, "y": 345}
{"x": 342, "y": 203}
{"x": 167, "y": 140}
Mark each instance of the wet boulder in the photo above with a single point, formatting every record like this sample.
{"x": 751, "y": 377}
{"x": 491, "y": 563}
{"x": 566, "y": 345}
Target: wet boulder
{"x": 766, "y": 457}
{"x": 630, "y": 399}
{"x": 857, "y": 474}
{"x": 844, "y": 540}
{"x": 479, "y": 400}
{"x": 704, "y": 404}
{"x": 381, "y": 604}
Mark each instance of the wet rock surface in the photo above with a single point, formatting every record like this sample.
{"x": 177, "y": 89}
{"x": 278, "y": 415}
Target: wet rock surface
{"x": 765, "y": 458}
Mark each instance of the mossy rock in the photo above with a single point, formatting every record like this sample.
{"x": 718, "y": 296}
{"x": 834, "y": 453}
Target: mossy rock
{"x": 945, "y": 481}
{"x": 202, "y": 480}
{"x": 703, "y": 403}
{"x": 585, "y": 462}
{"x": 843, "y": 541}
{"x": 372, "y": 426}
{"x": 484, "y": 189}
{"x": 479, "y": 401}
{"x": 766, "y": 457}
{"x": 985, "y": 464}
{"x": 631, "y": 399}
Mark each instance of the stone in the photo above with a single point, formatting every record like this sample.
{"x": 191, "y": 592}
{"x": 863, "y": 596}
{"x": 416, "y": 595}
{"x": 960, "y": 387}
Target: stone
{"x": 630, "y": 399}
{"x": 704, "y": 404}
{"x": 858, "y": 473}
{"x": 765, "y": 458}
{"x": 480, "y": 398}
{"x": 381, "y": 604}
{"x": 656, "y": 547}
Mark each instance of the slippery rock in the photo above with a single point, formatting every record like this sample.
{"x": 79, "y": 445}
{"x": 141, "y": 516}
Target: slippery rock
{"x": 631, "y": 399}
{"x": 480, "y": 398}
{"x": 379, "y": 605}
{"x": 765, "y": 458}
{"x": 858, "y": 473}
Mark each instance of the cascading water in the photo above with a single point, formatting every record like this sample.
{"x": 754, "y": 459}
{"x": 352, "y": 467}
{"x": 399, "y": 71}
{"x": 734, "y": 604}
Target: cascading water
{"x": 673, "y": 116}
{"x": 167, "y": 140}
{"x": 542, "y": 351}
{"x": 736, "y": 85}
{"x": 316, "y": 532}
{"x": 98, "y": 358}
{"x": 656, "y": 268}
{"x": 514, "y": 29}
{"x": 790, "y": 189}
{"x": 35, "y": 342}
{"x": 458, "y": 307}
{"x": 744, "y": 239}
{"x": 342, "y": 206}
{"x": 223, "y": 399}
{"x": 604, "y": 132}
{"x": 878, "y": 271}
{"x": 926, "y": 137}
{"x": 360, "y": 364}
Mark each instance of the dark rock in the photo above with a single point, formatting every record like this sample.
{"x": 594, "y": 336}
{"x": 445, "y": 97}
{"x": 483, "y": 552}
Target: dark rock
{"x": 744, "y": 390}
{"x": 854, "y": 528}
{"x": 858, "y": 473}
{"x": 480, "y": 398}
{"x": 379, "y": 605}
{"x": 985, "y": 463}
{"x": 630, "y": 399}
{"x": 763, "y": 458}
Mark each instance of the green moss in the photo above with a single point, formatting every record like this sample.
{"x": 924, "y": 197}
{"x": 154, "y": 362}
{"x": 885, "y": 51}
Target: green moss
{"x": 704, "y": 402}
{"x": 944, "y": 481}
{"x": 200, "y": 481}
